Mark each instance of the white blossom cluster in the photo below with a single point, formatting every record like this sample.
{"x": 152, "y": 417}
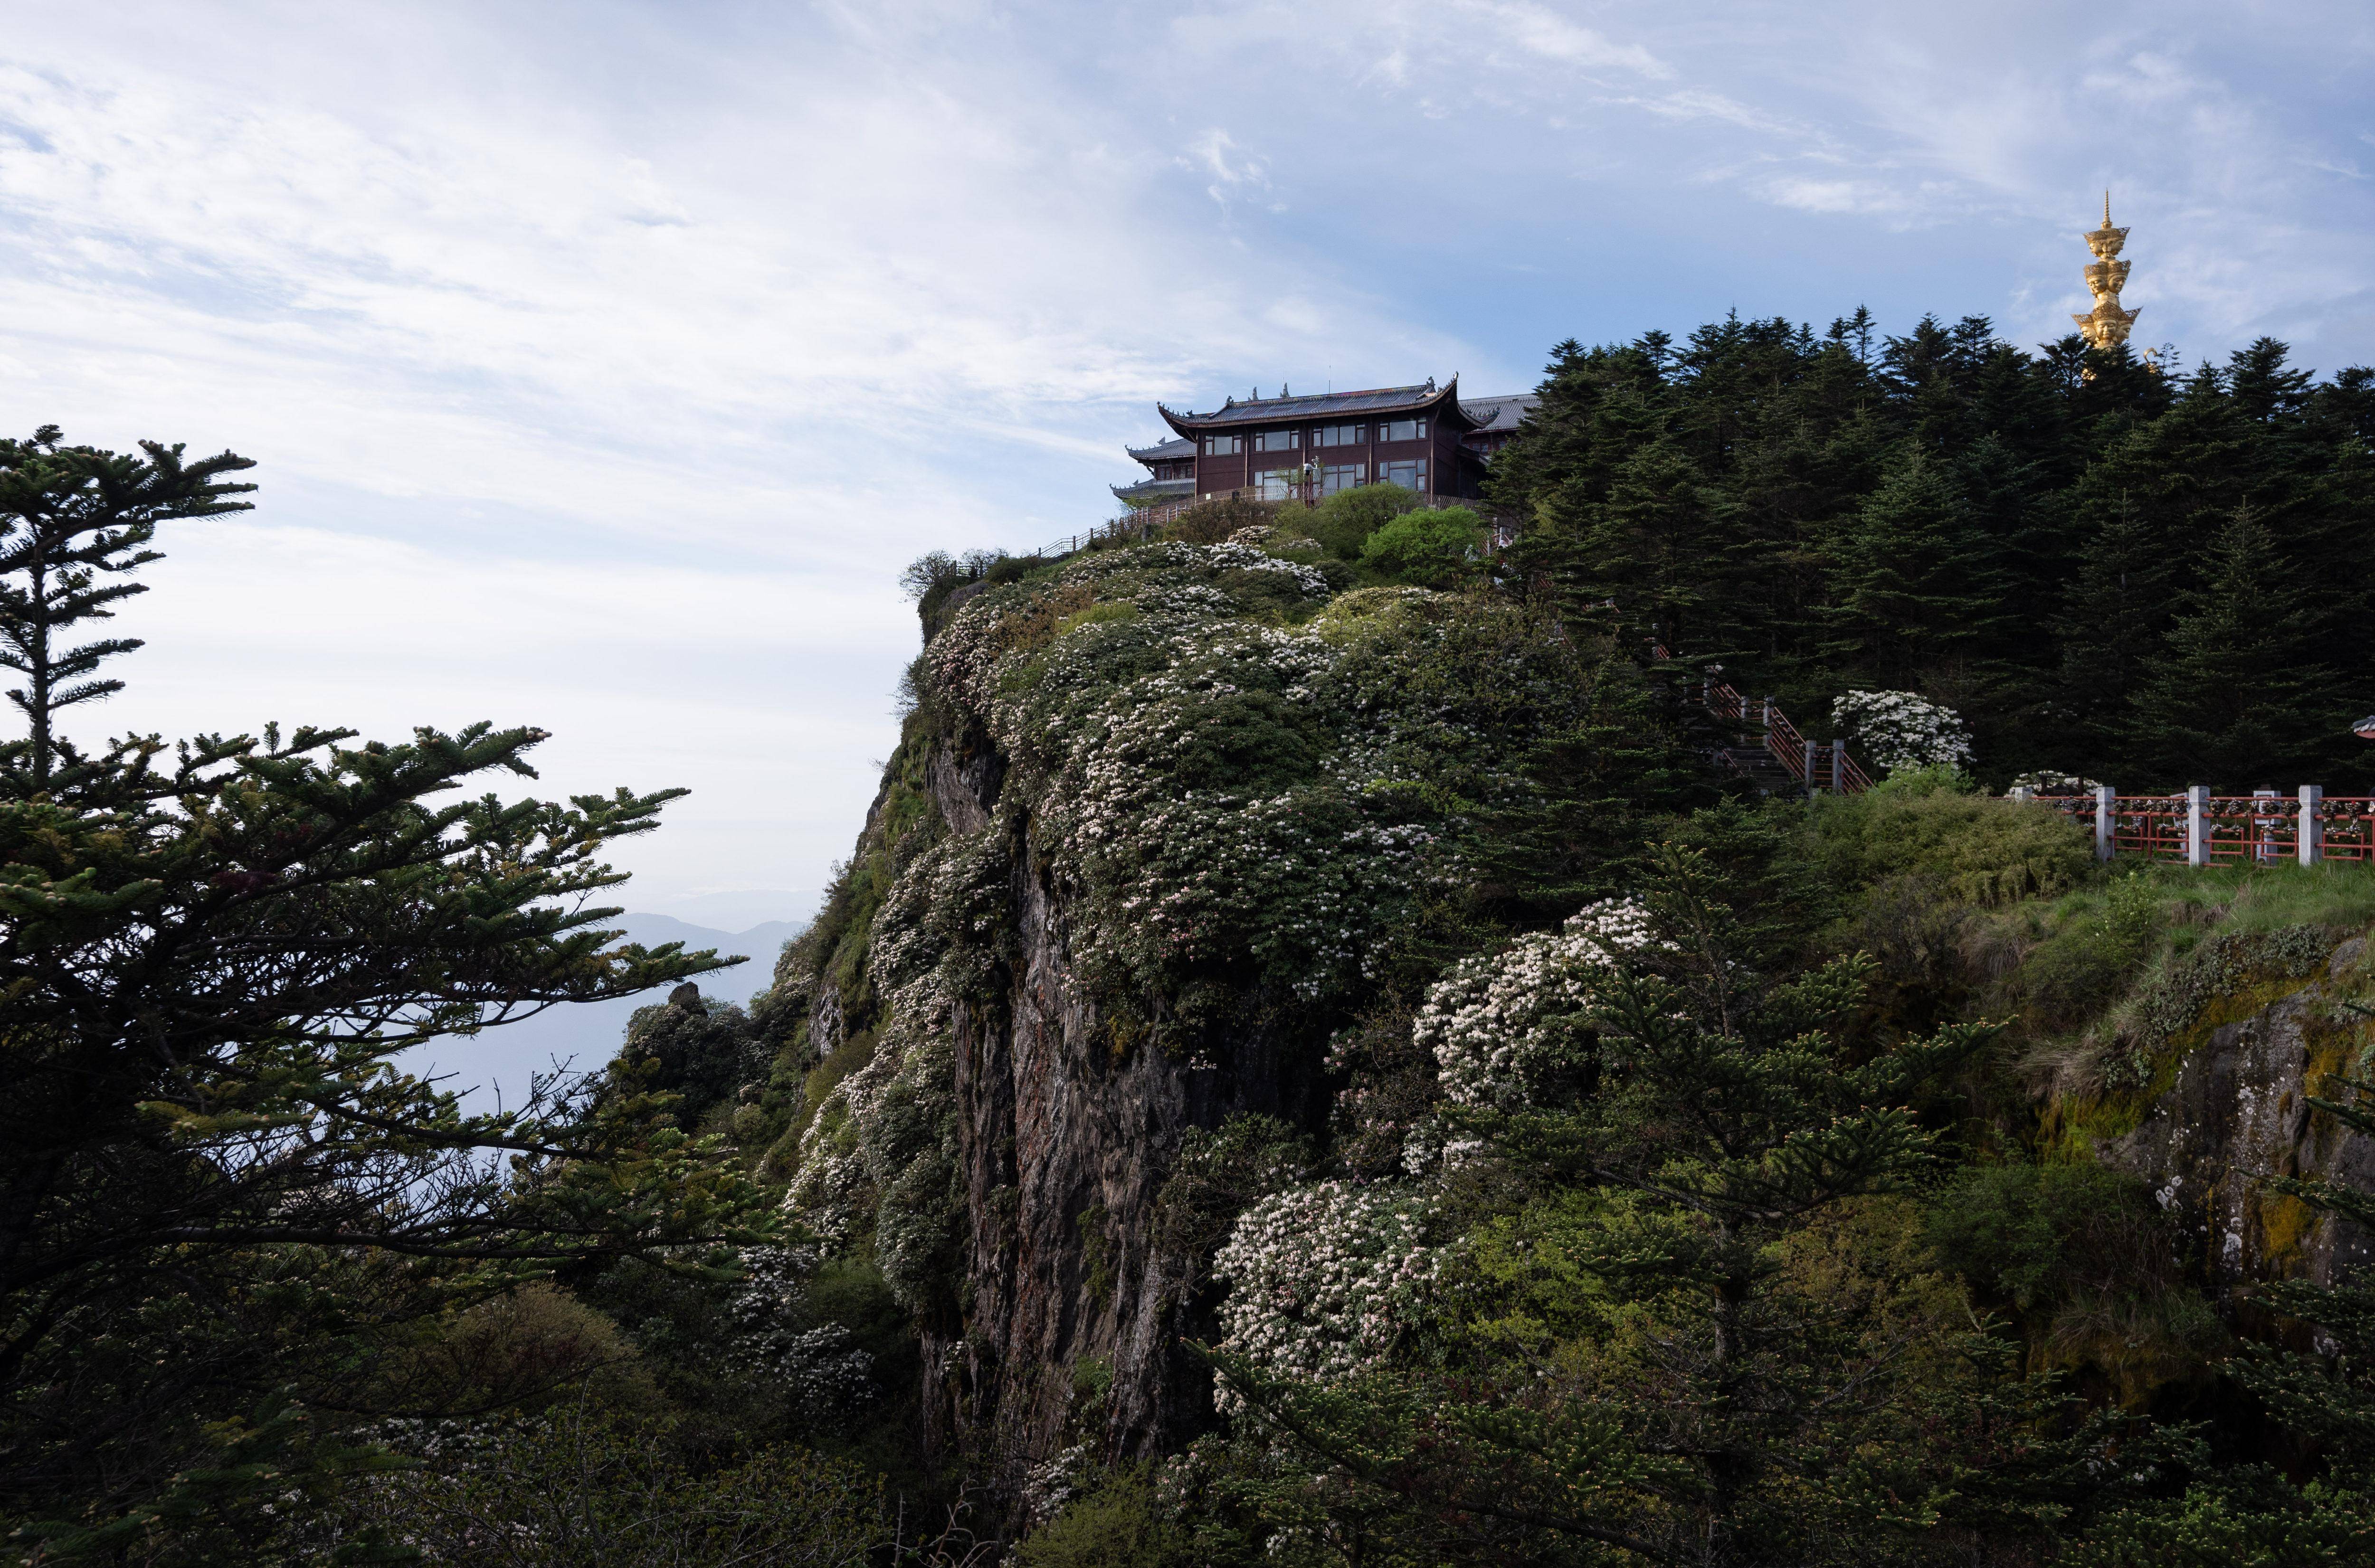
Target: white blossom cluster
{"x": 854, "y": 1150}
{"x": 1052, "y": 1483}
{"x": 1903, "y": 729}
{"x": 950, "y": 901}
{"x": 1203, "y": 783}
{"x": 1325, "y": 1278}
{"x": 1503, "y": 1025}
{"x": 2045, "y": 781}
{"x": 827, "y": 1376}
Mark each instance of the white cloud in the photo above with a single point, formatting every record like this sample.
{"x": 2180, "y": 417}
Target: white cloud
{"x": 1540, "y": 31}
{"x": 602, "y": 374}
{"x": 1232, "y": 169}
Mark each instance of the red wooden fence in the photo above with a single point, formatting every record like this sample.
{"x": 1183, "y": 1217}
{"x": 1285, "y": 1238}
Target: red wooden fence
{"x": 2233, "y": 829}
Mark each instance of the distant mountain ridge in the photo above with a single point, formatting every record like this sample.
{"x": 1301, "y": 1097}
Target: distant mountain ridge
{"x": 759, "y": 944}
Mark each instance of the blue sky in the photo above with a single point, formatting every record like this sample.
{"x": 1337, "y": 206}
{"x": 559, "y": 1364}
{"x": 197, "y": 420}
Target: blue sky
{"x": 605, "y": 362}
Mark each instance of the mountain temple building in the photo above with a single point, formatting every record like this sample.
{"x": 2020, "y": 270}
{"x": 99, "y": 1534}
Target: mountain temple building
{"x": 1281, "y": 448}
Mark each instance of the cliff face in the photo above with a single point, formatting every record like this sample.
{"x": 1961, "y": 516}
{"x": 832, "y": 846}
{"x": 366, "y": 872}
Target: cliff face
{"x": 1164, "y": 820}
{"x": 1074, "y": 1329}
{"x": 2239, "y": 1112}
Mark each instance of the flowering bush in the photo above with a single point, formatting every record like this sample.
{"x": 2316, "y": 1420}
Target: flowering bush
{"x": 2045, "y": 781}
{"x": 879, "y": 1154}
{"x": 1227, "y": 786}
{"x": 1325, "y": 1278}
{"x": 1506, "y": 1028}
{"x": 1899, "y": 730}
{"x": 820, "y": 1365}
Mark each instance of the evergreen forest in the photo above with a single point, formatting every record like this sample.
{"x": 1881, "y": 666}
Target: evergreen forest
{"x": 1311, "y": 1059}
{"x": 2111, "y": 570}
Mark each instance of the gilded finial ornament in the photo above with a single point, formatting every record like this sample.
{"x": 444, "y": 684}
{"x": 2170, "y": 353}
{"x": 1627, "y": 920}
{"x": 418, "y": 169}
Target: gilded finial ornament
{"x": 2106, "y": 326}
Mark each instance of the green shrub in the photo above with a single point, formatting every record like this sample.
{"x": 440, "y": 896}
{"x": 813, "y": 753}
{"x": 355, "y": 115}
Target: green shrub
{"x": 591, "y": 1490}
{"x": 2086, "y": 1257}
{"x": 1433, "y": 550}
{"x": 1344, "y": 521}
{"x": 1214, "y": 521}
{"x": 1928, "y": 824}
{"x": 1119, "y": 1525}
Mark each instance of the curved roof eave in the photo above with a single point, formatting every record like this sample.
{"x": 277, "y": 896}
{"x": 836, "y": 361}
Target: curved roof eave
{"x": 1239, "y": 415}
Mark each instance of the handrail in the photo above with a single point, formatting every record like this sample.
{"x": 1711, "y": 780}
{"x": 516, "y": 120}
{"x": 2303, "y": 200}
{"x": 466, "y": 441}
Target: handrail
{"x": 1783, "y": 739}
{"x": 2249, "y": 829}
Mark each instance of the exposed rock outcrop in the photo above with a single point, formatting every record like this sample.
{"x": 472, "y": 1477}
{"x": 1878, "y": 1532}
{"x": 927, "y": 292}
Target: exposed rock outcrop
{"x": 1158, "y": 821}
{"x": 2238, "y": 1113}
{"x": 1065, "y": 1134}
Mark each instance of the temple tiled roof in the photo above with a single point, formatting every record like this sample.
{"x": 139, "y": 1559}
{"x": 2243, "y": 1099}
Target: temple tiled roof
{"x": 1153, "y": 490}
{"x": 1178, "y": 448}
{"x": 1319, "y": 406}
{"x": 1499, "y": 414}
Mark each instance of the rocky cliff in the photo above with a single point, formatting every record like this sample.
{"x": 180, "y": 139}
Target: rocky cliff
{"x": 1164, "y": 820}
{"x": 2266, "y": 1025}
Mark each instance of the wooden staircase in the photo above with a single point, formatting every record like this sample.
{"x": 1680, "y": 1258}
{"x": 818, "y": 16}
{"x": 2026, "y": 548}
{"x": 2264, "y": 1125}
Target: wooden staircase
{"x": 1756, "y": 741}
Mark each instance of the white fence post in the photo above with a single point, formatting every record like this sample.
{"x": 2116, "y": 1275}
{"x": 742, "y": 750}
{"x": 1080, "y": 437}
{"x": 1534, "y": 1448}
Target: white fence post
{"x": 2197, "y": 825}
{"x": 1838, "y": 766}
{"x": 2104, "y": 811}
{"x": 2312, "y": 837}
{"x": 1812, "y": 788}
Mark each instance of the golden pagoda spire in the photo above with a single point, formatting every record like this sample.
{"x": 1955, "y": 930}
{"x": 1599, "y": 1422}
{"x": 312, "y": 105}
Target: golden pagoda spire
{"x": 2106, "y": 326}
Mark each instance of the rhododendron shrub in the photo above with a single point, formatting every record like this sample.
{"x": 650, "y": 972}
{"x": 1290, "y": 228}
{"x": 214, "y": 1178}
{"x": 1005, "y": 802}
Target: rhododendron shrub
{"x": 1898, "y": 730}
{"x": 1509, "y": 1029}
{"x": 1236, "y": 788}
{"x": 1686, "y": 1303}
{"x": 1325, "y": 1278}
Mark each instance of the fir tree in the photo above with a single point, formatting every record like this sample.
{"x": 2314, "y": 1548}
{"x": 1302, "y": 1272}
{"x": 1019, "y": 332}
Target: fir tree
{"x": 215, "y": 1184}
{"x": 1654, "y": 548}
{"x": 1917, "y": 581}
{"x": 2116, "y": 605}
{"x": 74, "y": 522}
{"x": 2236, "y": 696}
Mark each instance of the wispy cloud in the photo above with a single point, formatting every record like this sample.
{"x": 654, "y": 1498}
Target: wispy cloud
{"x": 1540, "y": 31}
{"x": 587, "y": 361}
{"x": 1233, "y": 170}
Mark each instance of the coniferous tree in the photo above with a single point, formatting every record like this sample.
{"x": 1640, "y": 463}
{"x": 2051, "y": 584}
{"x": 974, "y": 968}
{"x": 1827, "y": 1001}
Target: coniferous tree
{"x": 74, "y": 522}
{"x": 216, "y": 1183}
{"x": 2092, "y": 485}
{"x": 1917, "y": 582}
{"x": 2115, "y": 608}
{"x": 2236, "y": 697}
{"x": 1644, "y": 1360}
{"x": 1654, "y": 546}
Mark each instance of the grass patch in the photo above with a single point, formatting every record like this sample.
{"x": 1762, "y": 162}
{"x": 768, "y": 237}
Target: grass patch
{"x": 2108, "y": 987}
